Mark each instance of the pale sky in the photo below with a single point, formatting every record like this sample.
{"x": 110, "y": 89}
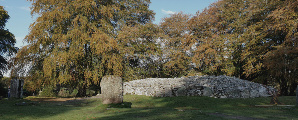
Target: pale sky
{"x": 163, "y": 8}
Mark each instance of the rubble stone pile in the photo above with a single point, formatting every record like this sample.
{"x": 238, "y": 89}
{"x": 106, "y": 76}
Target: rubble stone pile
{"x": 212, "y": 86}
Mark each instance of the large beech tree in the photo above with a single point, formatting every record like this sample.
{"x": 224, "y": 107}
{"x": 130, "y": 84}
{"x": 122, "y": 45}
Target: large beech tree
{"x": 250, "y": 39}
{"x": 281, "y": 62}
{"x": 141, "y": 51}
{"x": 177, "y": 45}
{"x": 74, "y": 41}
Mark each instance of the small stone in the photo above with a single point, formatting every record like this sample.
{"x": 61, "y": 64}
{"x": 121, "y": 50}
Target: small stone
{"x": 245, "y": 93}
{"x": 207, "y": 92}
{"x": 235, "y": 93}
{"x": 254, "y": 93}
{"x": 181, "y": 91}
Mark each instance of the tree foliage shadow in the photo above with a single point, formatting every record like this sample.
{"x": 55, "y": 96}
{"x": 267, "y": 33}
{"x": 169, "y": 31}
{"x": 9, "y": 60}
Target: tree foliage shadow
{"x": 11, "y": 109}
{"x": 156, "y": 108}
{"x": 195, "y": 107}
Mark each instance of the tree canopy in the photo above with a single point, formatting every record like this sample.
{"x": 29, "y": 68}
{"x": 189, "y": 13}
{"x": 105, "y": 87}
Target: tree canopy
{"x": 76, "y": 42}
{"x": 249, "y": 39}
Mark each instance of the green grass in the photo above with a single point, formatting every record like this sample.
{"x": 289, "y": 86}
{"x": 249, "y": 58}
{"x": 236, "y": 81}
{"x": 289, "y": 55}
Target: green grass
{"x": 151, "y": 108}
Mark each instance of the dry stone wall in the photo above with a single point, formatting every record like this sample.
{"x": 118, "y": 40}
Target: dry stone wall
{"x": 212, "y": 86}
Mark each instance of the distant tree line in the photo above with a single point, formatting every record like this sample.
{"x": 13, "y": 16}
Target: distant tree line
{"x": 76, "y": 43}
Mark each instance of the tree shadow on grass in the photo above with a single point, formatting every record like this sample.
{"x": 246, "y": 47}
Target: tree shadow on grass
{"x": 155, "y": 108}
{"x": 238, "y": 108}
{"x": 156, "y": 113}
{"x": 188, "y": 108}
{"x": 12, "y": 109}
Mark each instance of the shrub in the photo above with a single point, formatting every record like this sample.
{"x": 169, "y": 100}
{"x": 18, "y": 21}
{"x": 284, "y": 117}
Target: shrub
{"x": 90, "y": 92}
{"x": 64, "y": 92}
{"x": 74, "y": 93}
{"x": 4, "y": 83}
{"x": 3, "y": 90}
{"x": 47, "y": 91}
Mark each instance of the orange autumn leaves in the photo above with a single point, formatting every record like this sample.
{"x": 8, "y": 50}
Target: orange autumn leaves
{"x": 77, "y": 42}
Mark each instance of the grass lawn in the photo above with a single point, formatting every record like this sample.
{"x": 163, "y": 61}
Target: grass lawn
{"x": 144, "y": 107}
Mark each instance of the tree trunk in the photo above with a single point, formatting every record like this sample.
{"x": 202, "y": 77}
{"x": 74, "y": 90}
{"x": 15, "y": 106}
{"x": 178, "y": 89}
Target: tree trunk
{"x": 82, "y": 91}
{"x": 293, "y": 88}
{"x": 283, "y": 87}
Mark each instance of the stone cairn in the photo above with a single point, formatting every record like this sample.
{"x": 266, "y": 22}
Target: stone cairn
{"x": 212, "y": 86}
{"x": 16, "y": 88}
{"x": 111, "y": 89}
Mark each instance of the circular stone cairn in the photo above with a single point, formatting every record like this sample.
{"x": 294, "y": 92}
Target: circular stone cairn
{"x": 211, "y": 86}
{"x": 112, "y": 89}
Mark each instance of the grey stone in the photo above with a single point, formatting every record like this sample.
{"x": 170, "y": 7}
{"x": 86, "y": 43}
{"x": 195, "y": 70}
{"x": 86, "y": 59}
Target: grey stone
{"x": 245, "y": 93}
{"x": 235, "y": 93}
{"x": 223, "y": 96}
{"x": 168, "y": 92}
{"x": 254, "y": 93}
{"x": 149, "y": 92}
{"x": 181, "y": 91}
{"x": 16, "y": 88}
{"x": 207, "y": 92}
{"x": 112, "y": 89}
{"x": 263, "y": 92}
{"x": 199, "y": 87}
{"x": 198, "y": 93}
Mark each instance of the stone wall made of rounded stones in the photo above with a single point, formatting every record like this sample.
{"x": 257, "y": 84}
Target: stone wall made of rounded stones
{"x": 212, "y": 86}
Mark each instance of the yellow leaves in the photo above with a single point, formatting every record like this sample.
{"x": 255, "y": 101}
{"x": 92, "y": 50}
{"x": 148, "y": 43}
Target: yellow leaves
{"x": 175, "y": 25}
{"x": 113, "y": 63}
{"x": 116, "y": 65}
{"x": 64, "y": 78}
{"x": 49, "y": 66}
{"x": 139, "y": 39}
{"x": 88, "y": 74}
{"x": 102, "y": 43}
{"x": 139, "y": 44}
{"x": 78, "y": 39}
{"x": 108, "y": 11}
{"x": 62, "y": 58}
{"x": 3, "y": 17}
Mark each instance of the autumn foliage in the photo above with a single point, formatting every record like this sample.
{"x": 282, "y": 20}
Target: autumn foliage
{"x": 77, "y": 42}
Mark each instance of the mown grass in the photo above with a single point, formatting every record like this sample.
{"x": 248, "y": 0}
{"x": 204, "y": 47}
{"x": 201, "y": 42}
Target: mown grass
{"x": 151, "y": 108}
